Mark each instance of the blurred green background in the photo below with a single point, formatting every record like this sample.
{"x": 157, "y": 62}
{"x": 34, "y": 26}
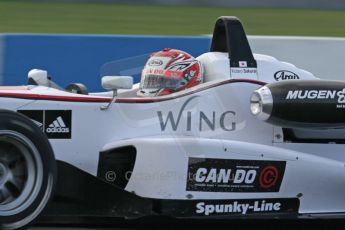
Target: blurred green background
{"x": 100, "y": 18}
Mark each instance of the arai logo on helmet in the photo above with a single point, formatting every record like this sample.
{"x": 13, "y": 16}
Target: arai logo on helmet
{"x": 285, "y": 75}
{"x": 155, "y": 62}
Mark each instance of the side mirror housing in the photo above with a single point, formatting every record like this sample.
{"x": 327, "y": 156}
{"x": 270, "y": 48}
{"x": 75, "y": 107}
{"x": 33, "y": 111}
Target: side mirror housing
{"x": 117, "y": 82}
{"x": 38, "y": 77}
{"x": 114, "y": 83}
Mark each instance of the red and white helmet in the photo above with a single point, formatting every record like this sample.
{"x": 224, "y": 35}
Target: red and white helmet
{"x": 169, "y": 71}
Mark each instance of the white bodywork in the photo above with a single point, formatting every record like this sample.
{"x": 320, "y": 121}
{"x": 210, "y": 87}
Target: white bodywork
{"x": 212, "y": 120}
{"x": 217, "y": 66}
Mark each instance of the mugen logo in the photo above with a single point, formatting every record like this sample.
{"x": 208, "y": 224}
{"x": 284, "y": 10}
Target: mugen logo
{"x": 224, "y": 175}
{"x": 312, "y": 94}
{"x": 316, "y": 94}
{"x": 338, "y": 95}
{"x": 225, "y": 120}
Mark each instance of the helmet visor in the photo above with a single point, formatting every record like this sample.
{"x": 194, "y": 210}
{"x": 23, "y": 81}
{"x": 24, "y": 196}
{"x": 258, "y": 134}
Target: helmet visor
{"x": 151, "y": 81}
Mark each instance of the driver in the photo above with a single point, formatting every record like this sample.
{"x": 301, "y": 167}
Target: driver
{"x": 169, "y": 71}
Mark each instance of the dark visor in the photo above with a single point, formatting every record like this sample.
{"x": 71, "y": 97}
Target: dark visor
{"x": 151, "y": 81}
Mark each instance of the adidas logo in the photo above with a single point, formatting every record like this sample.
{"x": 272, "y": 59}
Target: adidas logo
{"x": 57, "y": 126}
{"x": 39, "y": 124}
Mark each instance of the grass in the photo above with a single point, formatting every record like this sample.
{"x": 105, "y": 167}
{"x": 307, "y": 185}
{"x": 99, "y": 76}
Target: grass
{"x": 93, "y": 18}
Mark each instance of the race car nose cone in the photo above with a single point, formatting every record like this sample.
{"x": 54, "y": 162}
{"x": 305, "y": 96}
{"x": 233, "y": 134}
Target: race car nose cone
{"x": 261, "y": 103}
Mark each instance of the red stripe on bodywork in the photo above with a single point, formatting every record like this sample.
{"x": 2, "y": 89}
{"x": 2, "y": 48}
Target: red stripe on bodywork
{"x": 122, "y": 100}
{"x": 54, "y": 97}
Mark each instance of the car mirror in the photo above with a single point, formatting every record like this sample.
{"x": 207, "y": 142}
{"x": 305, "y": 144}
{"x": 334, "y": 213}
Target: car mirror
{"x": 114, "y": 83}
{"x": 117, "y": 82}
{"x": 38, "y": 77}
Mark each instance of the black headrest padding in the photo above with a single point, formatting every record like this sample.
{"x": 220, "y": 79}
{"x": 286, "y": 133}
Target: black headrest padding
{"x": 229, "y": 37}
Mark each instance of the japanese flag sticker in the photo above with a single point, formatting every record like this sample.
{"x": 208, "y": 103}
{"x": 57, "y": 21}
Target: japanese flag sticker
{"x": 242, "y": 63}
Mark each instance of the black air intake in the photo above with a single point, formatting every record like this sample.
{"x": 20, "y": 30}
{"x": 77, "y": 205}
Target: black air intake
{"x": 115, "y": 166}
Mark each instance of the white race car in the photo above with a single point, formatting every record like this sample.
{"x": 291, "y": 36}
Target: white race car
{"x": 259, "y": 138}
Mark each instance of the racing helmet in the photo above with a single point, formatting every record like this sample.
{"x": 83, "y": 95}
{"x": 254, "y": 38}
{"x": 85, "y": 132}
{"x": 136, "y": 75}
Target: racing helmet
{"x": 169, "y": 71}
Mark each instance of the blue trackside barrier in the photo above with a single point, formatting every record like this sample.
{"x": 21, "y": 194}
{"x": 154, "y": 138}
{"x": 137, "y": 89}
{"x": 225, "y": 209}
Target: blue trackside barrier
{"x": 78, "y": 58}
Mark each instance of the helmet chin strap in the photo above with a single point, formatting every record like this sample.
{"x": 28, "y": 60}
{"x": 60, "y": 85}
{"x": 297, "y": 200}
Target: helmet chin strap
{"x": 168, "y": 91}
{"x": 158, "y": 92}
{"x": 148, "y": 93}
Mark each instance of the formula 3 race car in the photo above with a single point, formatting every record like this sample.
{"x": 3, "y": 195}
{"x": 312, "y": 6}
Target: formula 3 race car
{"x": 259, "y": 138}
